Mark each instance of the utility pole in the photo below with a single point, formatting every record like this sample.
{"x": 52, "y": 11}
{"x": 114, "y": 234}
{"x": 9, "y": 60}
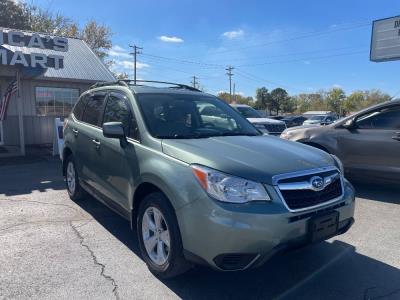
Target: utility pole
{"x": 135, "y": 53}
{"x": 230, "y": 74}
{"x": 194, "y": 82}
{"x": 234, "y": 94}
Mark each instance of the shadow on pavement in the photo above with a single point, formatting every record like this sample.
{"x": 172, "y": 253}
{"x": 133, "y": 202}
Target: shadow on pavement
{"x": 329, "y": 270}
{"x": 22, "y": 179}
{"x": 388, "y": 193}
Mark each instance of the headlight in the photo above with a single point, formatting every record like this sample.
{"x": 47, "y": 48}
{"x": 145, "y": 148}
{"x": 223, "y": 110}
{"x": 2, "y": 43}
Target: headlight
{"x": 338, "y": 163}
{"x": 286, "y": 135}
{"x": 227, "y": 188}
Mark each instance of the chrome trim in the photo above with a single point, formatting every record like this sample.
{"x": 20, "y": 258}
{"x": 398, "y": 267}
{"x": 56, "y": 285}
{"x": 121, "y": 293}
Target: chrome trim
{"x": 276, "y": 178}
{"x": 307, "y": 185}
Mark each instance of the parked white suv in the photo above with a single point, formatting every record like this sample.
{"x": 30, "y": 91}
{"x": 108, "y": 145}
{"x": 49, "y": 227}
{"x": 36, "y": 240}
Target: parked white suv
{"x": 265, "y": 125}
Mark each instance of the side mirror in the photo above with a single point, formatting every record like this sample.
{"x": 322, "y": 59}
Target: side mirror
{"x": 349, "y": 124}
{"x": 115, "y": 130}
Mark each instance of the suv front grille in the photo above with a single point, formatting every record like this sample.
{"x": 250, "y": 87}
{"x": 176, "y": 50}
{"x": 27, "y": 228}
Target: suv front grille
{"x": 299, "y": 196}
{"x": 275, "y": 128}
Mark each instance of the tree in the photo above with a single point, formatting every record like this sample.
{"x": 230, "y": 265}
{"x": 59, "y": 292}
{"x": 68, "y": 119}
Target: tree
{"x": 353, "y": 102}
{"x": 279, "y": 98}
{"x": 98, "y": 37}
{"x": 334, "y": 100}
{"x": 13, "y": 15}
{"x": 238, "y": 99}
{"x": 263, "y": 99}
{"x": 19, "y": 15}
{"x": 43, "y": 20}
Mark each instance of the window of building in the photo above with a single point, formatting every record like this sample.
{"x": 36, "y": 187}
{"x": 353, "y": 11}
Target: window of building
{"x": 52, "y": 101}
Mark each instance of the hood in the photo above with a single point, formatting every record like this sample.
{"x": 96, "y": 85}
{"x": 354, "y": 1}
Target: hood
{"x": 256, "y": 158}
{"x": 264, "y": 121}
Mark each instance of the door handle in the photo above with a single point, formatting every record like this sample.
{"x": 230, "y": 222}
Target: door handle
{"x": 96, "y": 142}
{"x": 396, "y": 136}
{"x": 75, "y": 131}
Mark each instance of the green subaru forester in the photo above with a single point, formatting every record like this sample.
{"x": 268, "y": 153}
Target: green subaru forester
{"x": 198, "y": 182}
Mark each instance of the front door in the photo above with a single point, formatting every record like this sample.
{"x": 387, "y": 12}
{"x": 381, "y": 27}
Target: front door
{"x": 372, "y": 147}
{"x": 117, "y": 164}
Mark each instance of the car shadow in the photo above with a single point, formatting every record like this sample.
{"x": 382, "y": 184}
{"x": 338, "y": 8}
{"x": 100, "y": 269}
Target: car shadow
{"x": 331, "y": 269}
{"x": 25, "y": 178}
{"x": 383, "y": 192}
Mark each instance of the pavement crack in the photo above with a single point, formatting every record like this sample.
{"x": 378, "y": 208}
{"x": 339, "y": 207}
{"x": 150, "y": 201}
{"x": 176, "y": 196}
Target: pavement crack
{"x": 96, "y": 262}
{"x": 41, "y": 222}
{"x": 40, "y": 202}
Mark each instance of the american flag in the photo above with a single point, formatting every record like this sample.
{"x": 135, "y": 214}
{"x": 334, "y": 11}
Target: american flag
{"x": 11, "y": 90}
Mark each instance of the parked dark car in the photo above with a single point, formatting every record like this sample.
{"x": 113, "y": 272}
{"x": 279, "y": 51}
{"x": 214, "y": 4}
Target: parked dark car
{"x": 292, "y": 121}
{"x": 368, "y": 142}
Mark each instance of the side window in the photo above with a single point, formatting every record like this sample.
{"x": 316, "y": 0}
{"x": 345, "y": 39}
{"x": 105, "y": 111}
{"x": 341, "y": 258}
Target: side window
{"x": 117, "y": 110}
{"x": 384, "y": 119}
{"x": 93, "y": 110}
{"x": 80, "y": 107}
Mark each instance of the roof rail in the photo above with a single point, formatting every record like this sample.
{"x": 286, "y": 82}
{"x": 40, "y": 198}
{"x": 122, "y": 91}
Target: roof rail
{"x": 101, "y": 84}
{"x": 176, "y": 85}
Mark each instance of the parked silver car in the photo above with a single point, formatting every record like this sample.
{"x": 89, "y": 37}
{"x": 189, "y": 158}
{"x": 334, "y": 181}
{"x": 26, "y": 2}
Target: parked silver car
{"x": 368, "y": 142}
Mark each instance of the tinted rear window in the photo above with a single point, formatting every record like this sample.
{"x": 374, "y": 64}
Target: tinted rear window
{"x": 93, "y": 110}
{"x": 80, "y": 107}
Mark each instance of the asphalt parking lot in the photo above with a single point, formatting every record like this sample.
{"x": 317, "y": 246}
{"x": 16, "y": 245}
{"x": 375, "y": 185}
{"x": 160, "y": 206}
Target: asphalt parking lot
{"x": 54, "y": 248}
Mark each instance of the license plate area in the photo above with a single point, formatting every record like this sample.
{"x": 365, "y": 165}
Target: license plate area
{"x": 324, "y": 226}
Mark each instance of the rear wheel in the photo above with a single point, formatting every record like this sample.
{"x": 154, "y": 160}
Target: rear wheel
{"x": 74, "y": 189}
{"x": 159, "y": 237}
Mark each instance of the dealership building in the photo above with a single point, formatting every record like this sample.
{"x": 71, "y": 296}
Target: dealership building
{"x": 41, "y": 77}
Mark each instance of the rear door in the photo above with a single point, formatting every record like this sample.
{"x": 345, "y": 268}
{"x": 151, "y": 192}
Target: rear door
{"x": 117, "y": 165}
{"x": 89, "y": 133}
{"x": 372, "y": 148}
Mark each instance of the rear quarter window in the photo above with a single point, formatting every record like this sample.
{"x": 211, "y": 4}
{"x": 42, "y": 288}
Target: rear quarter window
{"x": 80, "y": 107}
{"x": 94, "y": 107}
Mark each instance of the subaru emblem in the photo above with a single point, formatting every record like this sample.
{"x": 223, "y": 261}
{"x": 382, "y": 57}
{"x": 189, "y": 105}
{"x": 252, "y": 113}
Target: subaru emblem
{"x": 317, "y": 183}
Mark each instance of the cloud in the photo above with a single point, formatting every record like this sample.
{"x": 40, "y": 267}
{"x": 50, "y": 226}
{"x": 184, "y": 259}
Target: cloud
{"x": 118, "y": 52}
{"x": 170, "y": 39}
{"x": 307, "y": 62}
{"x": 233, "y": 34}
{"x": 336, "y": 86}
{"x": 129, "y": 65}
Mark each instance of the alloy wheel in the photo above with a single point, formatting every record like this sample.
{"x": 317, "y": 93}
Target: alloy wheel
{"x": 71, "y": 182}
{"x": 156, "y": 236}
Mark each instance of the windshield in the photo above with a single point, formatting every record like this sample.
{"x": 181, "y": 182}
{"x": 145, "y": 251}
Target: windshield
{"x": 177, "y": 116}
{"x": 248, "y": 112}
{"x": 318, "y": 118}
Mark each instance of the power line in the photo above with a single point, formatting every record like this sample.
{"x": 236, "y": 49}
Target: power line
{"x": 303, "y": 59}
{"x": 135, "y": 53}
{"x": 309, "y": 35}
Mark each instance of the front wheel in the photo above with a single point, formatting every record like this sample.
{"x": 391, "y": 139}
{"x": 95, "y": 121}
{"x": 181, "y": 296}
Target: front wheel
{"x": 159, "y": 237}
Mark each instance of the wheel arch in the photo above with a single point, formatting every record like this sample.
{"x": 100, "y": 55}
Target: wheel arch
{"x": 142, "y": 190}
{"x": 65, "y": 154}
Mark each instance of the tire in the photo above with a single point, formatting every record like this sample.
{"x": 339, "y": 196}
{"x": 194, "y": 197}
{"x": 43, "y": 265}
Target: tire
{"x": 75, "y": 191}
{"x": 162, "y": 260}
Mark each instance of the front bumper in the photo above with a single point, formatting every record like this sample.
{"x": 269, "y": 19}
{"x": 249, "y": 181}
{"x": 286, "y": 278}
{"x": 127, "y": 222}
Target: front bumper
{"x": 252, "y": 233}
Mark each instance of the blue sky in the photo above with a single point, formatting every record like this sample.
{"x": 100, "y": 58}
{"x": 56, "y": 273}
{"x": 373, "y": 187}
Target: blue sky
{"x": 302, "y": 46}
